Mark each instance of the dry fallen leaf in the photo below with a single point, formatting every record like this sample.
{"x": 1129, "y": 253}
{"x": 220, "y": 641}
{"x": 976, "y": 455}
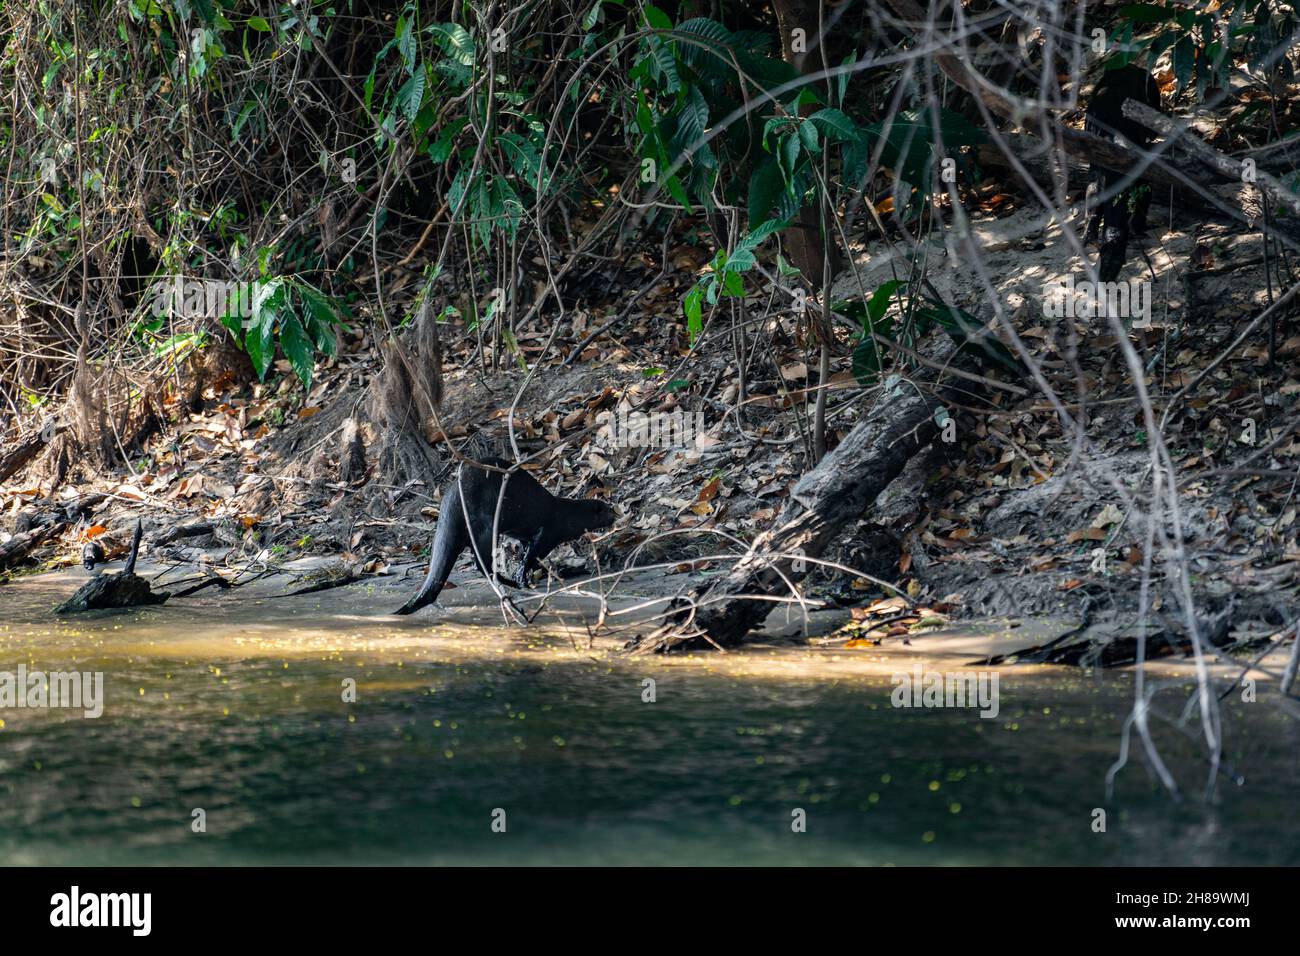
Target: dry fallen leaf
{"x": 190, "y": 486}
{"x": 220, "y": 489}
{"x": 1108, "y": 515}
{"x": 885, "y": 606}
{"x": 794, "y": 371}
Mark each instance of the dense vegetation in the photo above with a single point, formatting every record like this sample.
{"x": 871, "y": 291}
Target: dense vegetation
{"x": 323, "y": 150}
{"x": 213, "y": 199}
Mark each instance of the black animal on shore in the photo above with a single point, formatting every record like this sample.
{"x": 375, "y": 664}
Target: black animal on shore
{"x": 92, "y": 554}
{"x": 121, "y": 590}
{"x": 529, "y": 513}
{"x": 1119, "y": 215}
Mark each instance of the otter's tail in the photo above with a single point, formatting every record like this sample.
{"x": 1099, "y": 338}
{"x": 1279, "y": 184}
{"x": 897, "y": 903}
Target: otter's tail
{"x": 449, "y": 541}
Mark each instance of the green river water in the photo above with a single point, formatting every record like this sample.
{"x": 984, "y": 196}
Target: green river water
{"x": 234, "y": 705}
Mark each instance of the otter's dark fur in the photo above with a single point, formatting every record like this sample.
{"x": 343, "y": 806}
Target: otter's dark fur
{"x": 529, "y": 513}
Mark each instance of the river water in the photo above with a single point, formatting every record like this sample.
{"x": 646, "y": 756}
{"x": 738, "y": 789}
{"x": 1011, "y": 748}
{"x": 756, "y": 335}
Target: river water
{"x": 233, "y": 705}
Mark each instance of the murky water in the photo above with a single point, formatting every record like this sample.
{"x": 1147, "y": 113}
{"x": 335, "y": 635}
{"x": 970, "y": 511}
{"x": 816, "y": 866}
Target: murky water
{"x": 233, "y": 704}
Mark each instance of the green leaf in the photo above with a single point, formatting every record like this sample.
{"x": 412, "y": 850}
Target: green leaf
{"x": 867, "y": 361}
{"x": 713, "y": 54}
{"x": 842, "y": 81}
{"x": 525, "y": 159}
{"x": 808, "y": 137}
{"x": 674, "y": 187}
{"x": 693, "y": 307}
{"x": 834, "y": 124}
{"x": 656, "y": 19}
{"x": 405, "y": 41}
{"x": 459, "y": 188}
{"x": 740, "y": 260}
{"x": 765, "y": 187}
{"x": 969, "y": 333}
{"x": 369, "y": 85}
{"x": 298, "y": 348}
{"x": 1184, "y": 60}
{"x": 756, "y": 235}
{"x": 455, "y": 41}
{"x": 245, "y": 112}
{"x": 259, "y": 24}
{"x": 692, "y": 120}
{"x": 513, "y": 345}
{"x": 879, "y": 303}
{"x": 260, "y": 345}
{"x": 322, "y": 317}
{"x": 733, "y": 284}
{"x": 411, "y": 95}
{"x": 664, "y": 64}
{"x": 259, "y": 341}
{"x": 788, "y": 156}
{"x": 775, "y": 123}
{"x": 911, "y": 147}
{"x": 459, "y": 76}
{"x": 441, "y": 150}
{"x": 1161, "y": 43}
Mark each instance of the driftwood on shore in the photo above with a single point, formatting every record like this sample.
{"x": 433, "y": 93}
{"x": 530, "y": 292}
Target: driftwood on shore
{"x": 17, "y": 548}
{"x": 901, "y": 422}
{"x": 16, "y": 458}
{"x": 187, "y": 529}
{"x": 123, "y": 590}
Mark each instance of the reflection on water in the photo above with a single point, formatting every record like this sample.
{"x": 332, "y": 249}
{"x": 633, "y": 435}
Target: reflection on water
{"x": 235, "y": 706}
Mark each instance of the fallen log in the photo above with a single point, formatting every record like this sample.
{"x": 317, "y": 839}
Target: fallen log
{"x": 16, "y": 549}
{"x": 190, "y": 529}
{"x": 16, "y": 458}
{"x": 901, "y": 422}
{"x": 1180, "y": 133}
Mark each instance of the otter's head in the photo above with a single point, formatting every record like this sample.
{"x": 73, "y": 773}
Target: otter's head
{"x": 599, "y": 513}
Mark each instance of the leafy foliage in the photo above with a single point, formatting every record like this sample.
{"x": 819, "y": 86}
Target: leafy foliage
{"x": 1203, "y": 43}
{"x": 914, "y": 316}
{"x": 292, "y": 314}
